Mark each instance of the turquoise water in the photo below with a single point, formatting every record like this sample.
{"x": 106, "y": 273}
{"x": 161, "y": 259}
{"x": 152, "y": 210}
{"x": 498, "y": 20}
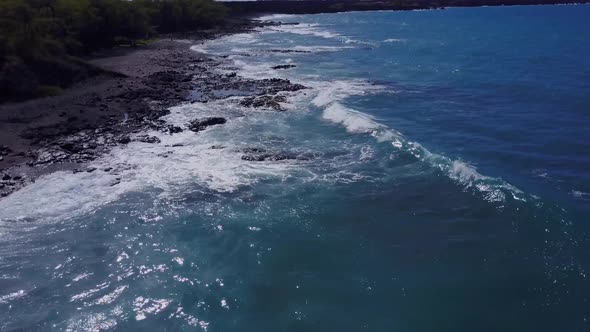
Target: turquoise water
{"x": 443, "y": 184}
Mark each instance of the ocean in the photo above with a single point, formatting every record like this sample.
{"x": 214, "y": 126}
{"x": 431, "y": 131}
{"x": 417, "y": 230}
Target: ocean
{"x": 441, "y": 183}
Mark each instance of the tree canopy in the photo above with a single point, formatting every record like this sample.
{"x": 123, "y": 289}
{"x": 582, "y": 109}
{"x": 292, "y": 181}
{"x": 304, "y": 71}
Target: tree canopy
{"x": 39, "y": 39}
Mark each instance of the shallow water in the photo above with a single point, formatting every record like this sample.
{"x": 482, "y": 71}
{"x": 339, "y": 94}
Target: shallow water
{"x": 443, "y": 184}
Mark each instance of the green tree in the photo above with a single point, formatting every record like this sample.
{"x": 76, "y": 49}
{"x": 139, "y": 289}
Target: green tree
{"x": 40, "y": 38}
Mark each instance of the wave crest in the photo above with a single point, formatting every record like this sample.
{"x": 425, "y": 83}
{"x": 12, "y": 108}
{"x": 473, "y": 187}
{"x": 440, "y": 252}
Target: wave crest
{"x": 356, "y": 122}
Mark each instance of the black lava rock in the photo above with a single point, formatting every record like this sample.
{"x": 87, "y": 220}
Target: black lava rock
{"x": 148, "y": 139}
{"x": 201, "y": 124}
{"x": 125, "y": 140}
{"x": 4, "y": 150}
{"x": 283, "y": 67}
{"x": 174, "y": 129}
{"x": 271, "y": 102}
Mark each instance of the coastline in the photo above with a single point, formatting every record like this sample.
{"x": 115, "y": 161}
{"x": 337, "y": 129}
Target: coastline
{"x": 338, "y": 6}
{"x": 138, "y": 86}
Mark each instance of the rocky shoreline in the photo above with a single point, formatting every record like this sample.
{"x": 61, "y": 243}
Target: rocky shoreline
{"x": 139, "y": 86}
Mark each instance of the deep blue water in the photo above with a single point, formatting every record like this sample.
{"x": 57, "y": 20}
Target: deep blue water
{"x": 443, "y": 184}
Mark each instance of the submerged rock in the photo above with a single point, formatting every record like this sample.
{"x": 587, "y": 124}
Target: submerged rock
{"x": 125, "y": 140}
{"x": 71, "y": 147}
{"x": 269, "y": 156}
{"x": 272, "y": 102}
{"x": 252, "y": 150}
{"x": 201, "y": 124}
{"x": 174, "y": 129}
{"x": 283, "y": 67}
{"x": 4, "y": 150}
{"x": 8, "y": 184}
{"x": 254, "y": 157}
{"x": 147, "y": 139}
{"x": 276, "y": 85}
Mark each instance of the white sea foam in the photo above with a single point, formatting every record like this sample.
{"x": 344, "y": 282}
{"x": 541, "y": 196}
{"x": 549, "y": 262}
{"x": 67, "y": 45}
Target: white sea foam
{"x": 580, "y": 195}
{"x": 394, "y": 40}
{"x": 179, "y": 161}
{"x": 201, "y": 48}
{"x": 273, "y": 17}
{"x": 238, "y": 40}
{"x": 357, "y": 122}
{"x": 241, "y": 51}
{"x": 12, "y": 296}
{"x": 329, "y": 92}
{"x": 307, "y": 29}
{"x": 468, "y": 176}
{"x": 354, "y": 121}
{"x": 255, "y": 71}
{"x": 320, "y": 48}
{"x": 59, "y": 193}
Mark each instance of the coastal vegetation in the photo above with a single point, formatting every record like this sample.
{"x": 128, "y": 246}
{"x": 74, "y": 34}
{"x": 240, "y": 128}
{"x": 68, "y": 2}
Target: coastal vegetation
{"x": 41, "y": 41}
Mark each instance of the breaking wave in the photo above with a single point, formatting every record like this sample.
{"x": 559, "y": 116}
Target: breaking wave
{"x": 330, "y": 98}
